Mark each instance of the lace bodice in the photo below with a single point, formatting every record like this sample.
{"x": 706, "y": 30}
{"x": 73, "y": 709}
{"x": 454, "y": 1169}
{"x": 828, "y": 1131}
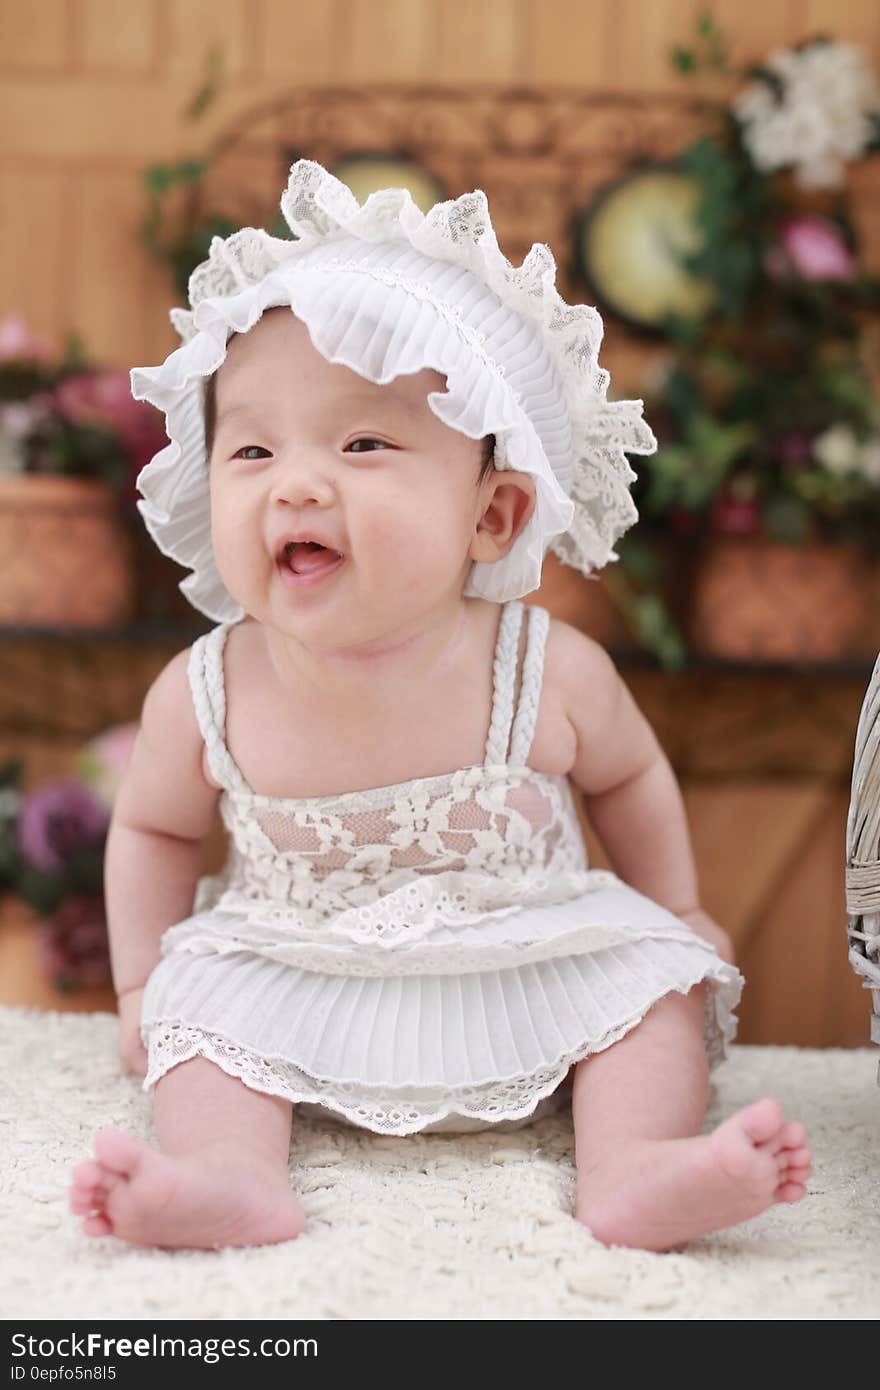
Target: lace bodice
{"x": 496, "y": 833}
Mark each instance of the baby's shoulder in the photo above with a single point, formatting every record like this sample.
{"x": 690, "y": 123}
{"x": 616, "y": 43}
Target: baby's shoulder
{"x": 168, "y": 699}
{"x": 169, "y": 711}
{"x": 575, "y": 663}
{"x": 581, "y": 683}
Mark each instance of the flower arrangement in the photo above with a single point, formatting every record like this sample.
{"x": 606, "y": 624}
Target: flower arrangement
{"x": 52, "y": 843}
{"x": 61, "y": 415}
{"x": 766, "y": 405}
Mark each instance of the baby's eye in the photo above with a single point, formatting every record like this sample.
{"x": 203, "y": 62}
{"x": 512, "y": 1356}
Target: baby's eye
{"x": 367, "y": 439}
{"x": 247, "y": 448}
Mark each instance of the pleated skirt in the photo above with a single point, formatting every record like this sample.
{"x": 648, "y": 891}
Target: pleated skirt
{"x": 412, "y": 1053}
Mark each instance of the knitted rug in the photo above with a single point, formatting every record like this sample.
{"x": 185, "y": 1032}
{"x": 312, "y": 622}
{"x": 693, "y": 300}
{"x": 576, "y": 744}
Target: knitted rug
{"x": 438, "y": 1226}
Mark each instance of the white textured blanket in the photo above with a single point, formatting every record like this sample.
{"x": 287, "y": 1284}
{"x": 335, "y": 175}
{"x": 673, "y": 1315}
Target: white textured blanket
{"x": 439, "y": 1226}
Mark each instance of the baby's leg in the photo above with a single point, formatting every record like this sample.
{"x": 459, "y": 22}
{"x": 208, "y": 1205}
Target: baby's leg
{"x": 219, "y": 1177}
{"x": 646, "y": 1176}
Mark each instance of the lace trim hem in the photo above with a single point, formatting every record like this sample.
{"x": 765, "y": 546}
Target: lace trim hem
{"x": 401, "y": 1110}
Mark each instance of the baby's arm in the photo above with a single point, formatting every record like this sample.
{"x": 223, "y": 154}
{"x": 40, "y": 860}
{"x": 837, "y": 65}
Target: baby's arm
{"x": 632, "y": 797}
{"x": 162, "y": 813}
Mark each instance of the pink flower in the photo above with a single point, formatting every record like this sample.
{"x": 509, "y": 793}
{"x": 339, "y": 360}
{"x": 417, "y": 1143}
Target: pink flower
{"x": 811, "y": 247}
{"x": 100, "y": 398}
{"x": 73, "y": 942}
{"x": 735, "y": 516}
{"x": 16, "y": 340}
{"x": 104, "y": 398}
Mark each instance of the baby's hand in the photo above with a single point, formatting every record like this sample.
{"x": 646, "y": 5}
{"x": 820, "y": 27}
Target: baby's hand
{"x": 130, "y": 1047}
{"x": 700, "y": 922}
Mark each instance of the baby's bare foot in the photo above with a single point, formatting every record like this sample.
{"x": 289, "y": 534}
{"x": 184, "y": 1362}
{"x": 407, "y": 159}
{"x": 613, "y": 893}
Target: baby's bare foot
{"x": 197, "y": 1201}
{"x": 665, "y": 1192}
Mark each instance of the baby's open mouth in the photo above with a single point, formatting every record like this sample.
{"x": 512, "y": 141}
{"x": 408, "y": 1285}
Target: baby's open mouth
{"x": 307, "y": 557}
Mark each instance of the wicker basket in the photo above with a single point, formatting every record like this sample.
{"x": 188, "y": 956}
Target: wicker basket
{"x": 65, "y": 557}
{"x": 863, "y": 851}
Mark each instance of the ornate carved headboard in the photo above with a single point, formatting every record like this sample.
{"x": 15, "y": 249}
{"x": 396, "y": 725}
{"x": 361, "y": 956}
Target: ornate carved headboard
{"x": 538, "y": 153}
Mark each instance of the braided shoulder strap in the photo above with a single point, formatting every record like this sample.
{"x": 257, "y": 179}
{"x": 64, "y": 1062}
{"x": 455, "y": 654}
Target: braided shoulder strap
{"x": 208, "y": 689}
{"x": 530, "y": 688}
{"x": 503, "y": 681}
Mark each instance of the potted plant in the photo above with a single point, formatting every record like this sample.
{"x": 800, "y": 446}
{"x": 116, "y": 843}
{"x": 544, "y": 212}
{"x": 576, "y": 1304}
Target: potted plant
{"x": 72, "y": 442}
{"x": 766, "y": 481}
{"x": 52, "y": 843}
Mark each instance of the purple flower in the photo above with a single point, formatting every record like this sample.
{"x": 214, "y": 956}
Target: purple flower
{"x": 57, "y": 820}
{"x": 795, "y": 449}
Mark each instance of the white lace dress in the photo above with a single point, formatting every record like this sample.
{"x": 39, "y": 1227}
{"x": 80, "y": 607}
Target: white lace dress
{"x": 432, "y": 954}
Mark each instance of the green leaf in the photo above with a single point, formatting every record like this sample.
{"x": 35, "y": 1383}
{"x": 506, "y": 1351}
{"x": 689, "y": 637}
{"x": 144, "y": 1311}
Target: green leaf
{"x": 658, "y": 632}
{"x": 787, "y": 519}
{"x": 683, "y": 60}
{"x": 157, "y": 178}
{"x": 212, "y": 85}
{"x": 639, "y": 560}
{"x": 41, "y": 891}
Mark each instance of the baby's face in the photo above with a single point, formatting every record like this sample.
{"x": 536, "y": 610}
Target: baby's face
{"x": 302, "y": 445}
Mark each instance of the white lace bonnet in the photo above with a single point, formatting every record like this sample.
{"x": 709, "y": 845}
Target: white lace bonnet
{"x": 388, "y": 290}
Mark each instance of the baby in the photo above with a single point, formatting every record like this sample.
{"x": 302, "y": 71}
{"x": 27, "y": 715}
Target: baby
{"x": 377, "y": 431}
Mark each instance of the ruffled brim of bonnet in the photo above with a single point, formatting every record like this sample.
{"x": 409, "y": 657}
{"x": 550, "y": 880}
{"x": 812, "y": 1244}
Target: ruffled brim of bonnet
{"x": 388, "y": 290}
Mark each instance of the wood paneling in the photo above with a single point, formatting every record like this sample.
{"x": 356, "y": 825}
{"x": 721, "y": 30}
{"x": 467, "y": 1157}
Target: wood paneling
{"x": 35, "y": 264}
{"x": 476, "y": 43}
{"x": 114, "y": 37}
{"x": 108, "y": 288}
{"x": 35, "y": 37}
{"x": 300, "y": 43}
{"x": 383, "y": 38}
{"x": 194, "y": 27}
{"x": 855, "y": 20}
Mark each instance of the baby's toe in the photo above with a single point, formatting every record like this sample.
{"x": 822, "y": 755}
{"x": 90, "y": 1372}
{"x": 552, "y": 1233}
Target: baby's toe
{"x": 792, "y": 1135}
{"x": 119, "y": 1152}
{"x": 762, "y": 1120}
{"x": 798, "y": 1158}
{"x": 84, "y": 1200}
{"x": 96, "y": 1225}
{"x": 88, "y": 1174}
{"x": 88, "y": 1188}
{"x": 789, "y": 1191}
{"x": 801, "y": 1175}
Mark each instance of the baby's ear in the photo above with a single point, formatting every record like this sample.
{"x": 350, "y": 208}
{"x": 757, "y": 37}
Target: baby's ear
{"x": 508, "y": 507}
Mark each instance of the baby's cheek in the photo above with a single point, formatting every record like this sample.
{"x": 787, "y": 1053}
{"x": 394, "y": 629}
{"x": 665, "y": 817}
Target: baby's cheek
{"x": 238, "y": 563}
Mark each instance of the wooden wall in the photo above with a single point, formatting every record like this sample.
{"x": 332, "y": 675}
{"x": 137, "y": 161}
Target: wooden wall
{"x": 93, "y": 90}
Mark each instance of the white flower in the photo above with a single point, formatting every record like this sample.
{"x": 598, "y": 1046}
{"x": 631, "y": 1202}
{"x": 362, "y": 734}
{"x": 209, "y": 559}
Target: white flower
{"x": 838, "y": 450}
{"x": 12, "y": 456}
{"x": 869, "y": 461}
{"x": 10, "y": 803}
{"x": 20, "y": 418}
{"x": 823, "y": 119}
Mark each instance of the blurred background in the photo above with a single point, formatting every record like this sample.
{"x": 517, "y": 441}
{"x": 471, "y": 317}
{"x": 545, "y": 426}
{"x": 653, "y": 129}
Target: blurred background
{"x": 708, "y": 175}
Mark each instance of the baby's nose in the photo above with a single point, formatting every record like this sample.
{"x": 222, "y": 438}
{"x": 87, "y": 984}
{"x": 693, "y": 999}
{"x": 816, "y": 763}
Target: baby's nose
{"x": 302, "y": 479}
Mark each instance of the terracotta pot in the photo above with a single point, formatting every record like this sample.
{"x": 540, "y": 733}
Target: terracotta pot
{"x": 755, "y": 599}
{"x": 575, "y": 599}
{"x": 65, "y": 557}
